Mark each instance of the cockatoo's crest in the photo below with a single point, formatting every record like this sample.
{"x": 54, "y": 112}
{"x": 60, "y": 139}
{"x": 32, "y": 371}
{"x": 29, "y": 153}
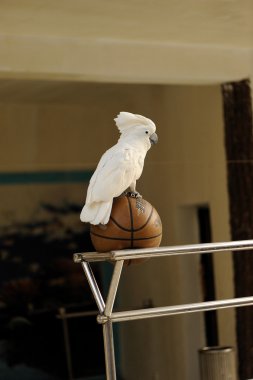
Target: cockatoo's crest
{"x": 127, "y": 120}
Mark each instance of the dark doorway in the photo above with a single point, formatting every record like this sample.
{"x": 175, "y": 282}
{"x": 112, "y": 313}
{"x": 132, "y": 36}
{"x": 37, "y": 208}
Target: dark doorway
{"x": 205, "y": 236}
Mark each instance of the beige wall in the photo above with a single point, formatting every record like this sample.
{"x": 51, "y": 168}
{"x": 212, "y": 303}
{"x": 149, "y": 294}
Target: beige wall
{"x": 186, "y": 169}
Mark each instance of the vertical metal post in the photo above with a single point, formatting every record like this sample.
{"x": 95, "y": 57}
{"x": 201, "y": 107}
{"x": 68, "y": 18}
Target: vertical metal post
{"x": 109, "y": 351}
{"x": 62, "y": 313}
{"x": 107, "y": 326}
{"x": 113, "y": 287}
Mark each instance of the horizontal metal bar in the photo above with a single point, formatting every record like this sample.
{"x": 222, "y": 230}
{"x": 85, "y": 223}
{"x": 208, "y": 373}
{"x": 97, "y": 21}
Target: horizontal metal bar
{"x": 79, "y": 314}
{"x": 92, "y": 257}
{"x": 155, "y": 312}
{"x": 182, "y": 249}
{"x": 133, "y": 254}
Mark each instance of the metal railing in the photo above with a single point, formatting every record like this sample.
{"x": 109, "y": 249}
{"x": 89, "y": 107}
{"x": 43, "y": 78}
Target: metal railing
{"x": 106, "y": 315}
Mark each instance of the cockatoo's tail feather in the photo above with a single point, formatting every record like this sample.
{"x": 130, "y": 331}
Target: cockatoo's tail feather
{"x": 103, "y": 214}
{"x": 96, "y": 213}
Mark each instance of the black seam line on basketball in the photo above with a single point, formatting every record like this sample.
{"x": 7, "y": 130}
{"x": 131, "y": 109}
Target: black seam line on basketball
{"x": 116, "y": 238}
{"x": 134, "y": 229}
{"x": 132, "y": 223}
{"x": 118, "y": 225}
{"x": 144, "y": 225}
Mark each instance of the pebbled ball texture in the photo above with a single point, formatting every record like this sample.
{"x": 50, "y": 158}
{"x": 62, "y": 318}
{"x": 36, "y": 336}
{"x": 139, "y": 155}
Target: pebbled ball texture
{"x": 134, "y": 223}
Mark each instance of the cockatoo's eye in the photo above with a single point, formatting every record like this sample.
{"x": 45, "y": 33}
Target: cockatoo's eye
{"x": 146, "y": 132}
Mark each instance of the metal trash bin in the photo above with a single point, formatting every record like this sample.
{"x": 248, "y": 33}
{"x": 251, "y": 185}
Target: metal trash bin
{"x": 217, "y": 363}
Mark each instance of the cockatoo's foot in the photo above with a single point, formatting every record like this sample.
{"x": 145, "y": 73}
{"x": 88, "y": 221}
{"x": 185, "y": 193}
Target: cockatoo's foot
{"x": 134, "y": 194}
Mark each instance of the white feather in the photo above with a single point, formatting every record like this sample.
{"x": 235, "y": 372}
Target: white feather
{"x": 97, "y": 212}
{"x": 118, "y": 168}
{"x": 126, "y": 120}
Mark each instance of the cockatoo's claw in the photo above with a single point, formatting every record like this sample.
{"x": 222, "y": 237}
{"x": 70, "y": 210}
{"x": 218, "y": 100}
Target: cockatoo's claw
{"x": 134, "y": 194}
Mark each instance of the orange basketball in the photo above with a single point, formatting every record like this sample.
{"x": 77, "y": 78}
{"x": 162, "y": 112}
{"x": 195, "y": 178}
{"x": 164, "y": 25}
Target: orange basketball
{"x": 134, "y": 223}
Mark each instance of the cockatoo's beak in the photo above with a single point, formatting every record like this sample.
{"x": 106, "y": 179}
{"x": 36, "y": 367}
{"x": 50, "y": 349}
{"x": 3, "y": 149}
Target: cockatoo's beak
{"x": 153, "y": 138}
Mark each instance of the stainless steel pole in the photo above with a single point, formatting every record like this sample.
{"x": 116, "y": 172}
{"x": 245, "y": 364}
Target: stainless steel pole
{"x": 62, "y": 313}
{"x": 91, "y": 256}
{"x": 106, "y": 316}
{"x": 107, "y": 327}
{"x": 94, "y": 286}
{"x": 113, "y": 287}
{"x": 109, "y": 351}
{"x": 181, "y": 249}
{"x": 155, "y": 312}
{"x": 132, "y": 254}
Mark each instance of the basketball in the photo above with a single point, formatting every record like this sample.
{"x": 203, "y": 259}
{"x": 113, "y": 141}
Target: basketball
{"x": 134, "y": 223}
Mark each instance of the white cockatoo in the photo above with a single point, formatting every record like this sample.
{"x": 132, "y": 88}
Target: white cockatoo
{"x": 119, "y": 167}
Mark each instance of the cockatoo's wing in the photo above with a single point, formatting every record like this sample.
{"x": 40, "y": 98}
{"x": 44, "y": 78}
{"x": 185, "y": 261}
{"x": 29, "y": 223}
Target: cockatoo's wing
{"x": 114, "y": 174}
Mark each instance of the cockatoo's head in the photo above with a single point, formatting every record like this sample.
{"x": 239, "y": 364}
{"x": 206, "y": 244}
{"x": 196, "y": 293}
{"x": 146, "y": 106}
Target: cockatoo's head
{"x": 137, "y": 126}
